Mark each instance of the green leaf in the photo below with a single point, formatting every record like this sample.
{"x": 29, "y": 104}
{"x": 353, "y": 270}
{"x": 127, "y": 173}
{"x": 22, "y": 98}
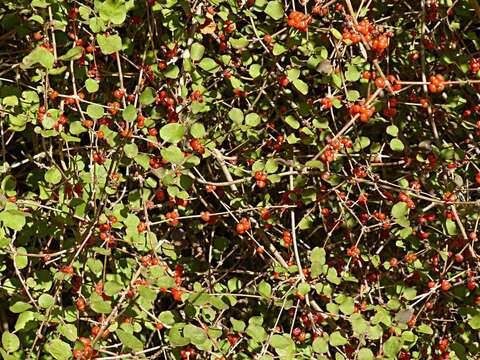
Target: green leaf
{"x": 172, "y": 133}
{"x": 365, "y": 354}
{"x": 20, "y": 260}
{"x": 392, "y": 130}
{"x": 359, "y": 324}
{"x": 336, "y": 33}
{"x": 209, "y": 65}
{"x": 95, "y": 265}
{"x": 292, "y": 121}
{"x": 173, "y": 154}
{"x": 99, "y": 305}
{"x": 278, "y": 49}
{"x": 353, "y": 95}
{"x": 337, "y": 339}
{"x": 317, "y": 259}
{"x": 147, "y": 96}
{"x": 41, "y": 56}
{"x": 129, "y": 341}
{"x": 392, "y": 346}
{"x": 320, "y": 345}
{"x": 451, "y": 227}
{"x": 172, "y": 72}
{"x": 69, "y": 331}
{"x": 271, "y": 166}
{"x": 131, "y": 150}
{"x": 425, "y": 329}
{"x": 72, "y": 54}
{"x": 256, "y": 332}
{"x": 301, "y": 86}
{"x": 196, "y": 335}
{"x": 130, "y": 113}
{"x": 109, "y": 44}
{"x": 46, "y": 300}
{"x": 53, "y": 176}
{"x": 91, "y": 85}
{"x": 167, "y": 318}
{"x": 95, "y": 111}
{"x": 347, "y": 306}
{"x": 474, "y": 322}
{"x": 283, "y": 345}
{"x": 197, "y": 130}
{"x": 332, "y": 276}
{"x": 114, "y": 11}
{"x": 10, "y": 342}
{"x": 265, "y": 289}
{"x": 352, "y": 73}
{"x": 112, "y": 288}
{"x": 252, "y": 119}
{"x": 196, "y": 51}
{"x": 274, "y": 9}
{"x": 59, "y": 349}
{"x": 396, "y": 145}
{"x": 19, "y": 307}
{"x": 236, "y": 115}
{"x": 399, "y": 210}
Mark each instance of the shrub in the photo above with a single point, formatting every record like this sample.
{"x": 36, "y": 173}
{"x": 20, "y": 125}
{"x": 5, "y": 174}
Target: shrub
{"x": 239, "y": 179}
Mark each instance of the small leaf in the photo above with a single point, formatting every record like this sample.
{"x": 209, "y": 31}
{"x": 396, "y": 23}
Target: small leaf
{"x": 166, "y": 318}
{"x": 69, "y": 331}
{"x": 209, "y": 65}
{"x": 301, "y": 86}
{"x": 337, "y": 339}
{"x": 396, "y": 145}
{"x": 10, "y": 342}
{"x": 265, "y": 289}
{"x": 172, "y": 133}
{"x": 46, "y": 300}
{"x": 20, "y": 260}
{"x": 320, "y": 345}
{"x": 399, "y": 210}
{"x": 91, "y": 85}
{"x": 274, "y": 9}
{"x": 236, "y": 115}
{"x": 197, "y": 130}
{"x": 130, "y": 113}
{"x": 131, "y": 150}
{"x": 392, "y": 130}
{"x": 292, "y": 121}
{"x": 196, "y": 335}
{"x": 474, "y": 322}
{"x": 196, "y": 51}
{"x": 53, "y": 176}
{"x": 172, "y": 72}
{"x": 41, "y": 56}
{"x": 147, "y": 97}
{"x": 59, "y": 349}
{"x": 365, "y": 354}
{"x": 112, "y": 288}
{"x": 95, "y": 111}
{"x": 109, "y": 44}
{"x": 173, "y": 154}
{"x": 72, "y": 54}
{"x": 392, "y": 346}
{"x": 129, "y": 341}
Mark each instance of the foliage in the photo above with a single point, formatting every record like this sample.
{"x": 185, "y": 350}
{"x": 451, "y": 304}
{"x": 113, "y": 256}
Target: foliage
{"x": 239, "y": 179}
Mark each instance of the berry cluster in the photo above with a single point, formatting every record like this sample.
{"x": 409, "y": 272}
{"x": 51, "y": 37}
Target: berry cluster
{"x": 261, "y": 179}
{"x": 243, "y": 226}
{"x": 364, "y": 112}
{"x": 299, "y": 20}
{"x": 436, "y": 84}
